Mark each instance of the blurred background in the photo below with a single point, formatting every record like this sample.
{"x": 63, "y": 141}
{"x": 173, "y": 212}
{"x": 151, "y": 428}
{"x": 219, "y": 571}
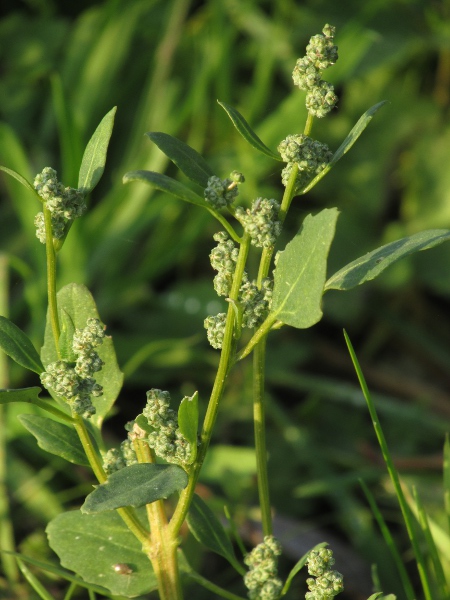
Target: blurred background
{"x": 144, "y": 255}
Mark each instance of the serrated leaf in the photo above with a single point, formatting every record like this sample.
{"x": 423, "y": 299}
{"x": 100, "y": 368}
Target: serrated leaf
{"x": 91, "y": 545}
{"x": 188, "y": 160}
{"x": 367, "y": 267}
{"x": 351, "y": 138}
{"x": 66, "y": 337}
{"x": 208, "y": 530}
{"x": 135, "y": 486}
{"x": 247, "y": 132}
{"x": 188, "y": 422}
{"x": 94, "y": 157}
{"x": 30, "y": 395}
{"x": 165, "y": 184}
{"x": 15, "y": 343}
{"x": 300, "y": 274}
{"x": 55, "y": 438}
{"x": 21, "y": 180}
{"x": 79, "y": 304}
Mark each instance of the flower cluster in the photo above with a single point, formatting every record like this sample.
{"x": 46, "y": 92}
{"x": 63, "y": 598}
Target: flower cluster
{"x": 260, "y": 222}
{"x": 64, "y": 203}
{"x": 223, "y": 259}
{"x": 261, "y": 579}
{"x": 166, "y": 440}
{"x": 255, "y": 301}
{"x": 325, "y": 583}
{"x": 118, "y": 458}
{"x": 74, "y": 381}
{"x": 320, "y": 54}
{"x": 223, "y": 192}
{"x": 215, "y": 329}
{"x": 310, "y": 156}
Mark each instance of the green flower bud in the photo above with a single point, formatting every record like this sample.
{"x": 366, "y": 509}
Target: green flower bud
{"x": 260, "y": 222}
{"x": 220, "y": 193}
{"x": 215, "y": 329}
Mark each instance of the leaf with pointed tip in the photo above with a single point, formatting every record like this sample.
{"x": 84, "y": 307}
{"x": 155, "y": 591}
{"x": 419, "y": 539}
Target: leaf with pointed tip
{"x": 299, "y": 277}
{"x": 367, "y": 267}
{"x": 165, "y": 184}
{"x": 94, "y": 157}
{"x": 66, "y": 337}
{"x": 188, "y": 160}
{"x": 247, "y": 132}
{"x": 188, "y": 422}
{"x": 91, "y": 545}
{"x": 354, "y": 134}
{"x": 30, "y": 395}
{"x": 77, "y": 301}
{"x": 55, "y": 438}
{"x": 21, "y": 180}
{"x": 17, "y": 346}
{"x": 209, "y": 531}
{"x": 136, "y": 486}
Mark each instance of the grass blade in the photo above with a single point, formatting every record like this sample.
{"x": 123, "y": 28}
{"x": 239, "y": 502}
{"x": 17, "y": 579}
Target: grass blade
{"x": 447, "y": 478}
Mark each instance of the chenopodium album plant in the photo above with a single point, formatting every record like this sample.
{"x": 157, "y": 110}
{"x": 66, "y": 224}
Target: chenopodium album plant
{"x": 122, "y": 541}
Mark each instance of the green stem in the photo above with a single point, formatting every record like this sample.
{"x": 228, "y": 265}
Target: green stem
{"x": 51, "y": 277}
{"x": 212, "y": 587}
{"x": 226, "y": 360}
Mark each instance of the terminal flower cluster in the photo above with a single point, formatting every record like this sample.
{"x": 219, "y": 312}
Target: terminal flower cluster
{"x": 261, "y": 579}
{"x": 260, "y": 222}
{"x": 307, "y": 75}
{"x": 223, "y": 192}
{"x": 325, "y": 583}
{"x": 310, "y": 156}
{"x": 64, "y": 203}
{"x": 74, "y": 381}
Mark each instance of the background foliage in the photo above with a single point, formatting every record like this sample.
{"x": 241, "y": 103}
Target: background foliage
{"x": 144, "y": 255}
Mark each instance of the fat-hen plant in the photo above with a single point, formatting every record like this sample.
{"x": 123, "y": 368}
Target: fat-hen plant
{"x": 123, "y": 540}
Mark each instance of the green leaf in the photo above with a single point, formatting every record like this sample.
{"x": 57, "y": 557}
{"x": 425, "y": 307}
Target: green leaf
{"x": 94, "y": 157}
{"x": 188, "y": 422}
{"x": 21, "y": 180}
{"x": 354, "y": 134}
{"x": 136, "y": 486}
{"x": 300, "y": 274}
{"x": 367, "y": 267}
{"x": 79, "y": 304}
{"x": 247, "y": 132}
{"x": 165, "y": 184}
{"x": 66, "y": 337}
{"x": 30, "y": 395}
{"x": 55, "y": 438}
{"x": 208, "y": 530}
{"x": 91, "y": 545}
{"x": 446, "y": 478}
{"x": 188, "y": 160}
{"x": 17, "y": 346}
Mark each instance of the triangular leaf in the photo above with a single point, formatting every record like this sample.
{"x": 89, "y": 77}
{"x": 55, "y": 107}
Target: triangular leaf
{"x": 166, "y": 184}
{"x": 21, "y": 180}
{"x": 367, "y": 267}
{"x": 136, "y": 486}
{"x": 354, "y": 134}
{"x": 17, "y": 346}
{"x": 55, "y": 438}
{"x": 94, "y": 157}
{"x": 208, "y": 530}
{"x": 188, "y": 160}
{"x": 300, "y": 274}
{"x": 188, "y": 422}
{"x": 247, "y": 132}
{"x": 91, "y": 545}
{"x": 79, "y": 304}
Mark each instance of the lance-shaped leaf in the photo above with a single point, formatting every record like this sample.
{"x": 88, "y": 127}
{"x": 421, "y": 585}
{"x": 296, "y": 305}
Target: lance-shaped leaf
{"x": 17, "y": 345}
{"x": 166, "y": 184}
{"x": 300, "y": 275}
{"x": 136, "y": 486}
{"x": 188, "y": 422}
{"x": 30, "y": 395}
{"x": 76, "y": 300}
{"x": 55, "y": 438}
{"x": 66, "y": 337}
{"x": 369, "y": 266}
{"x": 354, "y": 134}
{"x": 94, "y": 157}
{"x": 21, "y": 180}
{"x": 247, "y": 132}
{"x": 209, "y": 531}
{"x": 91, "y": 545}
{"x": 188, "y": 160}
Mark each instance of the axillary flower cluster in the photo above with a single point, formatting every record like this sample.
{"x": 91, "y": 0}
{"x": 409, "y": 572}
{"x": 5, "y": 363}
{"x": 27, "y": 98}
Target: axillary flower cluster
{"x": 325, "y": 583}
